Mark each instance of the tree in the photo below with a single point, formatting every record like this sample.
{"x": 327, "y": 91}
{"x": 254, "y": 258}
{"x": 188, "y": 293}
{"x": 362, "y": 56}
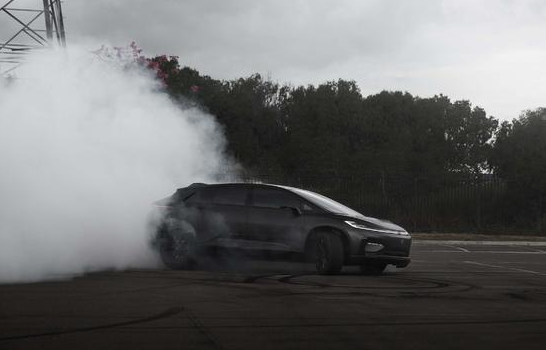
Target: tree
{"x": 331, "y": 129}
{"x": 519, "y": 156}
{"x": 468, "y": 132}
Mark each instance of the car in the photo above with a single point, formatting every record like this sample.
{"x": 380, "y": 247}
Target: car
{"x": 274, "y": 218}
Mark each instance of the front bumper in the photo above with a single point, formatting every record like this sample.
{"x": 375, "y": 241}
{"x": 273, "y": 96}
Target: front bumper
{"x": 388, "y": 248}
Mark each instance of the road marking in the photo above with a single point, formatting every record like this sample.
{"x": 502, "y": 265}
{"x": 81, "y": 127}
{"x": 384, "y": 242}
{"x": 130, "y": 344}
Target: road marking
{"x": 455, "y": 247}
{"x": 538, "y": 250}
{"x": 474, "y": 243}
{"x": 485, "y": 251}
{"x": 505, "y": 267}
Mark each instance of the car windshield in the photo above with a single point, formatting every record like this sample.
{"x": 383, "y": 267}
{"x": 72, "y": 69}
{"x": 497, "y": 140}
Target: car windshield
{"x": 326, "y": 203}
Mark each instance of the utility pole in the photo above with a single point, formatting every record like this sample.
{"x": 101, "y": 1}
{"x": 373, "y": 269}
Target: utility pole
{"x": 25, "y": 29}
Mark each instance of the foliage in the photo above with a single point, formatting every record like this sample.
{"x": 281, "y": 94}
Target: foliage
{"x": 332, "y": 129}
{"x": 331, "y": 132}
{"x": 520, "y": 157}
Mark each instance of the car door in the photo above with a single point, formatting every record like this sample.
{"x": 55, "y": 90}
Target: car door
{"x": 224, "y": 216}
{"x": 274, "y": 218}
{"x": 194, "y": 209}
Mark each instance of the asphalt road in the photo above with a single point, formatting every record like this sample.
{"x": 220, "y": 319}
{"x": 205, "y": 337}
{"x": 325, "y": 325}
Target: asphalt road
{"x": 450, "y": 297}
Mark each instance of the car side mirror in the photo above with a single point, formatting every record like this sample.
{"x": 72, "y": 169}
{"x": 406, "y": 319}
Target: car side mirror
{"x": 296, "y": 211}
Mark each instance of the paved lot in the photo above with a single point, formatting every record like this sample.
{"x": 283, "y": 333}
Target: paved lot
{"x": 452, "y": 296}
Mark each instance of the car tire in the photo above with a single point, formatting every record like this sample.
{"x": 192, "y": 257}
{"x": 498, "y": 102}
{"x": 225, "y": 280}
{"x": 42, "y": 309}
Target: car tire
{"x": 372, "y": 268}
{"x": 177, "y": 250}
{"x": 328, "y": 254}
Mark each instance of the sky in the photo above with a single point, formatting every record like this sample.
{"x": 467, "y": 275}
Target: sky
{"x": 492, "y": 53}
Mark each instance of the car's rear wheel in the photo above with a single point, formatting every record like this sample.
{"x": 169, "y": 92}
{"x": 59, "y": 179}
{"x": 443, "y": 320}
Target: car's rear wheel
{"x": 177, "y": 250}
{"x": 328, "y": 254}
{"x": 374, "y": 268}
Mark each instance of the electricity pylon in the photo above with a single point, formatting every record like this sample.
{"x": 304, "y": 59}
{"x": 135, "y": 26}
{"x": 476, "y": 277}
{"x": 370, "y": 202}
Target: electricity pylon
{"x": 23, "y": 29}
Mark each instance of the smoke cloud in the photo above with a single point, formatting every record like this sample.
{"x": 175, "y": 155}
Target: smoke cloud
{"x": 86, "y": 146}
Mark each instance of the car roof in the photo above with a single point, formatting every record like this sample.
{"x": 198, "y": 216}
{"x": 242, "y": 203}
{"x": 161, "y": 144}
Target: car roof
{"x": 235, "y": 184}
{"x": 246, "y": 184}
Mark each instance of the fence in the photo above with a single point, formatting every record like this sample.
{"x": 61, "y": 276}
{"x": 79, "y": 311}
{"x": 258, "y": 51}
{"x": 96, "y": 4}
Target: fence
{"x": 443, "y": 203}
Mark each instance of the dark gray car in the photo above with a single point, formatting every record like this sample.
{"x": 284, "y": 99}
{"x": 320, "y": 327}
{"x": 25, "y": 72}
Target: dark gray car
{"x": 274, "y": 218}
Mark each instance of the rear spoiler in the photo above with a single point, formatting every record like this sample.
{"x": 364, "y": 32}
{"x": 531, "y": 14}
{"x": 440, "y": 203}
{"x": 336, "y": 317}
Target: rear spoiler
{"x": 164, "y": 203}
{"x": 180, "y": 194}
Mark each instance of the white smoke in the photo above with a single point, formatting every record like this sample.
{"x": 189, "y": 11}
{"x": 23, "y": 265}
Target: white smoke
{"x": 85, "y": 148}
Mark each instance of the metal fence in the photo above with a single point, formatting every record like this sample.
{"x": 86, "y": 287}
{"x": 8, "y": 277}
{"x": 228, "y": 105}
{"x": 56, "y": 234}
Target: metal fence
{"x": 443, "y": 203}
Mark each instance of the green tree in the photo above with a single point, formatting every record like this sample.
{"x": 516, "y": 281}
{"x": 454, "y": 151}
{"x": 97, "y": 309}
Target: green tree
{"x": 331, "y": 129}
{"x": 468, "y": 132}
{"x": 519, "y": 156}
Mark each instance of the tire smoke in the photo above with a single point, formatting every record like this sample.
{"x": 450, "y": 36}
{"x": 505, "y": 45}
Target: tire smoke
{"x": 85, "y": 148}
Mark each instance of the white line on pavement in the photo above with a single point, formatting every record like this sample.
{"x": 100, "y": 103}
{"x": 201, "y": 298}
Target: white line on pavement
{"x": 455, "y": 247}
{"x": 539, "y": 251}
{"x": 505, "y": 267}
{"x": 465, "y": 243}
{"x": 485, "y": 251}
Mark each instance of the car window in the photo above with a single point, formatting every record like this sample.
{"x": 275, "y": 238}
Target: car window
{"x": 326, "y": 203}
{"x": 230, "y": 195}
{"x": 272, "y": 198}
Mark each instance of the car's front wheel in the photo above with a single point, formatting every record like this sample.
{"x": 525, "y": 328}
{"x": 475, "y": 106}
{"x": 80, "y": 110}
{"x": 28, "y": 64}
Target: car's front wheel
{"x": 328, "y": 254}
{"x": 177, "y": 250}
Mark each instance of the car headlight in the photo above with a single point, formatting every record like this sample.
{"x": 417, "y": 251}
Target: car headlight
{"x": 364, "y": 227}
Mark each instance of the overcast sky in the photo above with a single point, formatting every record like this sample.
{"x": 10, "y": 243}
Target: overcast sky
{"x": 492, "y": 53}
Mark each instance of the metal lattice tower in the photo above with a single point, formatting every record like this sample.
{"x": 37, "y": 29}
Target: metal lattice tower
{"x": 37, "y": 25}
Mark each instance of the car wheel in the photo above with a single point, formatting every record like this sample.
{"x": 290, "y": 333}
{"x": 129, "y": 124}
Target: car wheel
{"x": 328, "y": 254}
{"x": 372, "y": 268}
{"x": 177, "y": 250}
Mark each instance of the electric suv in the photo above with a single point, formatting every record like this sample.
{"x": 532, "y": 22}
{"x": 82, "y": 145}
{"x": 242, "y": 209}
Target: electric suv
{"x": 273, "y": 218}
